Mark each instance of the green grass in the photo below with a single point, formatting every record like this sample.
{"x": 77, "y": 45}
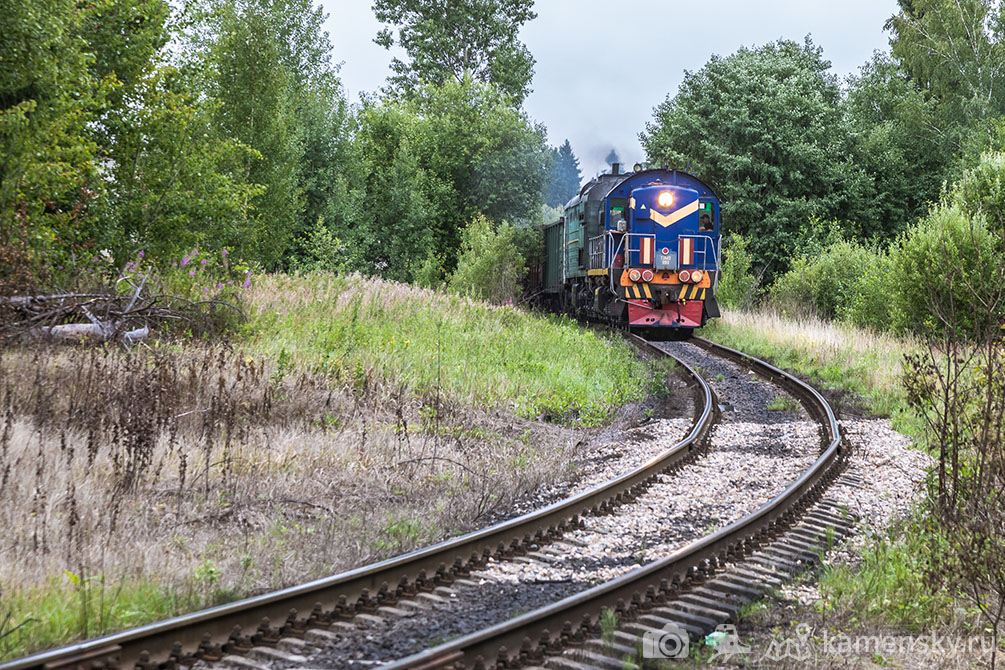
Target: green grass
{"x": 431, "y": 342}
{"x": 69, "y": 608}
{"x": 782, "y": 403}
{"x": 889, "y": 585}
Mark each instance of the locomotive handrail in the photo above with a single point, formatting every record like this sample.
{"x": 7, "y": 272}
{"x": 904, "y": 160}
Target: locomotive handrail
{"x": 706, "y": 241}
{"x": 638, "y": 249}
{"x": 614, "y": 254}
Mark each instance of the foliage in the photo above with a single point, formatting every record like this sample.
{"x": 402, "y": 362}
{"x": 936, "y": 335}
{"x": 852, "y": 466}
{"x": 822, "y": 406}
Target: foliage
{"x": 269, "y": 66}
{"x": 47, "y": 158}
{"x": 565, "y": 178}
{"x": 890, "y": 584}
{"x": 954, "y": 51}
{"x": 173, "y": 182}
{"x": 430, "y": 164}
{"x": 765, "y": 127}
{"x": 956, "y": 384}
{"x": 737, "y": 285}
{"x": 981, "y": 190}
{"x": 826, "y": 284}
{"x": 490, "y": 265}
{"x": 898, "y": 143}
{"x": 476, "y": 39}
{"x": 323, "y": 251}
{"x": 939, "y": 261}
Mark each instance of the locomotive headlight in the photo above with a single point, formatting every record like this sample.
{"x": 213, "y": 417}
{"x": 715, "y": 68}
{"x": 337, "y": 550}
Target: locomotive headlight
{"x": 696, "y": 276}
{"x": 665, "y": 199}
{"x": 684, "y": 276}
{"x": 634, "y": 274}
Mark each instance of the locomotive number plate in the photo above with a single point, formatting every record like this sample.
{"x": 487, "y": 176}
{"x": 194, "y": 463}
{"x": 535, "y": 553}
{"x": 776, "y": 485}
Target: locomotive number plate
{"x": 666, "y": 261}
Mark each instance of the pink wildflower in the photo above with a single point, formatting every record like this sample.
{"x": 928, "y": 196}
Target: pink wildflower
{"x": 191, "y": 273}
{"x": 184, "y": 261}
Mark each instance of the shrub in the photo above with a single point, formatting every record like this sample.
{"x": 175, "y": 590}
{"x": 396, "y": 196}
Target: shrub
{"x": 831, "y": 283}
{"x": 490, "y": 264}
{"x": 737, "y": 284}
{"x": 981, "y": 190}
{"x": 936, "y": 265}
{"x": 869, "y": 305}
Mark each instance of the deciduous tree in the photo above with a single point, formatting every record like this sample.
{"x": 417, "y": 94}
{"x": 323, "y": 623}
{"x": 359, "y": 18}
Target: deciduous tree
{"x": 764, "y": 125}
{"x": 458, "y": 39}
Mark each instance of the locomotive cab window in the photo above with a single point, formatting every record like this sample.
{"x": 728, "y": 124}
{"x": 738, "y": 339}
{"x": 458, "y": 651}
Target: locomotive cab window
{"x": 618, "y": 212}
{"x": 706, "y": 217}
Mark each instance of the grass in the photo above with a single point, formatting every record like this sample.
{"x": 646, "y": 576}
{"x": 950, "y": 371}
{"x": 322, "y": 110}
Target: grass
{"x": 491, "y": 356}
{"x": 889, "y": 585}
{"x": 783, "y": 403}
{"x": 350, "y": 420}
{"x": 837, "y": 356}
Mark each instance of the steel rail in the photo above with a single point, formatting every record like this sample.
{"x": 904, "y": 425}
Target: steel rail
{"x": 527, "y": 639}
{"x": 212, "y": 632}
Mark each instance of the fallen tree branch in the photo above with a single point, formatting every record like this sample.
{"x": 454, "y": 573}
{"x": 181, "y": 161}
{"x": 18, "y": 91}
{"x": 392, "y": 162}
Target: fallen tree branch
{"x": 107, "y": 316}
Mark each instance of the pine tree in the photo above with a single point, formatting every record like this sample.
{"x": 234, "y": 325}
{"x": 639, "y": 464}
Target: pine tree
{"x": 565, "y": 176}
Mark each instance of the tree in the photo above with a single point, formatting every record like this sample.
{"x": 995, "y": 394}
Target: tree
{"x": 898, "y": 142}
{"x": 268, "y": 65}
{"x": 430, "y": 164}
{"x": 451, "y": 41}
{"x": 47, "y": 161}
{"x": 565, "y": 177}
{"x": 489, "y": 264}
{"x": 955, "y": 50}
{"x": 765, "y": 126}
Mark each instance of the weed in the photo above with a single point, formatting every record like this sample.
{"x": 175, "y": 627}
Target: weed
{"x": 608, "y": 625}
{"x": 783, "y": 403}
{"x": 322, "y": 439}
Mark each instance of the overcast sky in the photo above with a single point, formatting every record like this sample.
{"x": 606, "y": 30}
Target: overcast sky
{"x": 603, "y": 66}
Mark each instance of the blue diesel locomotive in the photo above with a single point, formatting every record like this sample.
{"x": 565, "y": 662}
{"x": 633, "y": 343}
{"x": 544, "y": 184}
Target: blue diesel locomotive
{"x": 639, "y": 249}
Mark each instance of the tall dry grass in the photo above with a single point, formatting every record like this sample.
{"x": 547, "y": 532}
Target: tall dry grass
{"x": 352, "y": 419}
{"x": 215, "y": 475}
{"x": 839, "y": 356}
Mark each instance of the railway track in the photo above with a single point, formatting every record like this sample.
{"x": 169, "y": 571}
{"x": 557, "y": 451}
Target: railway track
{"x": 264, "y": 621}
{"x": 685, "y": 595}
